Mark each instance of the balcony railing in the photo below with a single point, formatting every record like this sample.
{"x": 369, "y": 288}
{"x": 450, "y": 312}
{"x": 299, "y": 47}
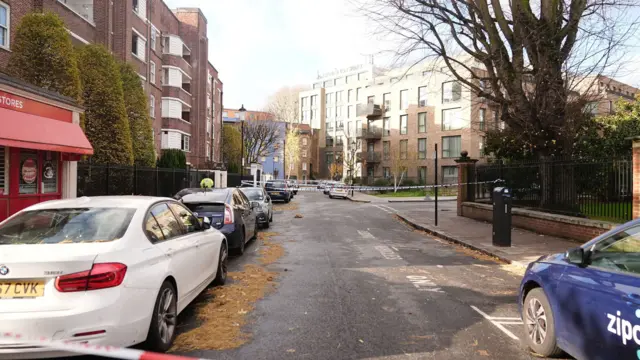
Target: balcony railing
{"x": 370, "y": 157}
{"x": 371, "y": 133}
{"x": 369, "y": 110}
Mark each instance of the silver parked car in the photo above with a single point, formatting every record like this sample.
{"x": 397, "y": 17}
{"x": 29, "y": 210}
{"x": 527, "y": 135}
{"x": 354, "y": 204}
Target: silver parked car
{"x": 261, "y": 203}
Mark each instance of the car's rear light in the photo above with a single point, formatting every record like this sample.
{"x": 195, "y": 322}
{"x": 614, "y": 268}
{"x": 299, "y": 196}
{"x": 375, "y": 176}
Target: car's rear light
{"x": 228, "y": 215}
{"x": 101, "y": 276}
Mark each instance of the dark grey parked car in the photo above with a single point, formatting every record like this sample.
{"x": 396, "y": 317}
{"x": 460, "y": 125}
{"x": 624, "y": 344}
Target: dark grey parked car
{"x": 264, "y": 210}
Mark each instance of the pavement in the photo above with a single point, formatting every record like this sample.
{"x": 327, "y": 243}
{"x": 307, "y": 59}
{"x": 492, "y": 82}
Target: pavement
{"x": 526, "y": 246}
{"x": 357, "y": 283}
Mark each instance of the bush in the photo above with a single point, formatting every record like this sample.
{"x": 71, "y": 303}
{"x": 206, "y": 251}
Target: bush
{"x": 138, "y": 114}
{"x": 408, "y": 182}
{"x": 42, "y": 54}
{"x": 107, "y": 126}
{"x": 172, "y": 159}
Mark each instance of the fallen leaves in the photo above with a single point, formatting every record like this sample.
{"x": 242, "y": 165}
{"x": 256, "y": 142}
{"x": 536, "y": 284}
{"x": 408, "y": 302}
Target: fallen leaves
{"x": 298, "y": 216}
{"x": 224, "y": 310}
{"x": 289, "y": 206}
{"x": 482, "y": 352}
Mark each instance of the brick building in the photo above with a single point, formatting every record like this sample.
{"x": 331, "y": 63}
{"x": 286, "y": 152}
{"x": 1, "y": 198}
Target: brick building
{"x": 306, "y": 167}
{"x": 169, "y": 49}
{"x": 407, "y": 112}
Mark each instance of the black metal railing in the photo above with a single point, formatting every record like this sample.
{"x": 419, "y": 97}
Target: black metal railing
{"x": 592, "y": 188}
{"x": 99, "y": 180}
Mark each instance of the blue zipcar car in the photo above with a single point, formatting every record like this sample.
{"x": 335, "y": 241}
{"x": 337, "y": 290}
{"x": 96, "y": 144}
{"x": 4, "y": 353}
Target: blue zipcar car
{"x": 587, "y": 300}
{"x": 229, "y": 211}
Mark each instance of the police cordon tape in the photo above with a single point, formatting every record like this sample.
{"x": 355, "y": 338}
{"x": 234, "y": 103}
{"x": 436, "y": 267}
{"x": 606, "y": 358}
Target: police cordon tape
{"x": 302, "y": 187}
{"x": 87, "y": 349}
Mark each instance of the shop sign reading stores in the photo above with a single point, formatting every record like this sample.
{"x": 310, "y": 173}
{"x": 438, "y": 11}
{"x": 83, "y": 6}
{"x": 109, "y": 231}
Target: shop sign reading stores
{"x": 24, "y": 105}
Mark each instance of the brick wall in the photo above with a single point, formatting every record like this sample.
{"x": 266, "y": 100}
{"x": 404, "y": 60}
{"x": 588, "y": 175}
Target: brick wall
{"x": 543, "y": 223}
{"x": 19, "y": 9}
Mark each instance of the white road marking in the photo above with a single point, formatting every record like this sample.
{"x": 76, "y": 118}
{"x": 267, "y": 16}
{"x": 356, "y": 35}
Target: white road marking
{"x": 498, "y": 318}
{"x": 423, "y": 283}
{"x": 394, "y": 248}
{"x": 391, "y": 210}
{"x": 365, "y": 234}
{"x": 497, "y": 324}
{"x": 387, "y": 253}
{"x": 383, "y": 209}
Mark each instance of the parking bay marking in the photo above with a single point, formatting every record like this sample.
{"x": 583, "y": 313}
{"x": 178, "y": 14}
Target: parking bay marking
{"x": 365, "y": 234}
{"x": 499, "y": 322}
{"x": 387, "y": 253}
{"x": 386, "y": 209}
{"x": 423, "y": 283}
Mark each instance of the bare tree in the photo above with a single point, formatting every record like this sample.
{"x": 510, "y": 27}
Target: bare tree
{"x": 400, "y": 161}
{"x": 261, "y": 138}
{"x": 526, "y": 57}
{"x": 292, "y": 149}
{"x": 284, "y": 104}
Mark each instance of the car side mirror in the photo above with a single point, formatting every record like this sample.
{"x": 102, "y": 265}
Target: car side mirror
{"x": 577, "y": 256}
{"x": 205, "y": 222}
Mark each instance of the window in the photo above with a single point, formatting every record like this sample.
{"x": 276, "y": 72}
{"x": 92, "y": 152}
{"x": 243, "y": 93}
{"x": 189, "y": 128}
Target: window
{"x": 591, "y": 108}
{"x": 328, "y": 83}
{"x": 409, "y": 76}
{"x": 136, "y": 5}
{"x": 338, "y": 111}
{"x": 329, "y": 126}
{"x": 5, "y": 17}
{"x": 350, "y": 95}
{"x": 619, "y": 252}
{"x": 422, "y": 148}
{"x": 422, "y": 96}
{"x": 403, "y": 124}
{"x": 138, "y": 44}
{"x": 358, "y": 91}
{"x": 49, "y": 172}
{"x": 386, "y": 129}
{"x": 152, "y": 72}
{"x": 184, "y": 142}
{"x": 340, "y": 81}
{"x": 452, "y": 119}
{"x": 339, "y": 97}
{"x": 426, "y": 73}
{"x": 393, "y": 80}
{"x": 422, "y": 175}
{"x": 404, "y": 100}
{"x": 422, "y": 122}
{"x": 304, "y": 153}
{"x": 386, "y": 172}
{"x": 340, "y": 126}
{"x": 403, "y": 149}
{"x": 451, "y": 92}
{"x": 329, "y": 141}
{"x": 451, "y": 146}
{"x": 350, "y": 79}
{"x": 305, "y": 116}
{"x": 28, "y": 172}
{"x": 339, "y": 141}
{"x": 328, "y": 156}
{"x": 168, "y": 225}
{"x": 371, "y": 99}
{"x": 350, "y": 111}
{"x": 152, "y": 43}
{"x": 329, "y": 112}
{"x": 304, "y": 101}
{"x": 481, "y": 145}
{"x": 483, "y": 118}
{"x": 304, "y": 141}
{"x": 304, "y": 166}
{"x": 386, "y": 149}
{"x": 330, "y": 98}
{"x": 314, "y": 101}
{"x": 362, "y": 76}
{"x": 190, "y": 222}
{"x": 449, "y": 174}
{"x": 386, "y": 101}
{"x": 152, "y": 106}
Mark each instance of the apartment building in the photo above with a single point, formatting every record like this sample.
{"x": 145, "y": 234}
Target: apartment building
{"x": 603, "y": 92}
{"x": 306, "y": 168}
{"x": 169, "y": 49}
{"x": 405, "y": 113}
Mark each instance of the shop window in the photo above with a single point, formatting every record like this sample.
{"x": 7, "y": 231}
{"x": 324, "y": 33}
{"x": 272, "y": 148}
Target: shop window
{"x": 28, "y": 172}
{"x": 4, "y": 169}
{"x": 49, "y": 172}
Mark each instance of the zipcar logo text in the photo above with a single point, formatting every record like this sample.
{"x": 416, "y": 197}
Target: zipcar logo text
{"x": 624, "y": 328}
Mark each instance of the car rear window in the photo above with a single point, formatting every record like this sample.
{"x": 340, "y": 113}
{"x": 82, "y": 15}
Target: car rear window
{"x": 276, "y": 185}
{"x": 206, "y": 207}
{"x": 253, "y": 194}
{"x": 66, "y": 226}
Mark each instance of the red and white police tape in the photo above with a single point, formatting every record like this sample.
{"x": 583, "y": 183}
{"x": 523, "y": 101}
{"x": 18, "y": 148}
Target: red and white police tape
{"x": 313, "y": 187}
{"x": 88, "y": 349}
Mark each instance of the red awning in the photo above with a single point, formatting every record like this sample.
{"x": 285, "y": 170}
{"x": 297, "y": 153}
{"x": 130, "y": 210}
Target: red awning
{"x": 36, "y": 132}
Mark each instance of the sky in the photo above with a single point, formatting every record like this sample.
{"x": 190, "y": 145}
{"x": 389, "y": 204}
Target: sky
{"x": 259, "y": 46}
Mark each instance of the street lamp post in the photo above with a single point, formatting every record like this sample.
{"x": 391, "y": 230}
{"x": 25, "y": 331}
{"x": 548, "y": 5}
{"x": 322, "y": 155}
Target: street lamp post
{"x": 242, "y": 112}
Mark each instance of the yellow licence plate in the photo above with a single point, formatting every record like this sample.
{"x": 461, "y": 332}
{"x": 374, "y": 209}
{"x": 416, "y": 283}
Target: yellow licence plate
{"x": 21, "y": 289}
{"x": 275, "y": 193}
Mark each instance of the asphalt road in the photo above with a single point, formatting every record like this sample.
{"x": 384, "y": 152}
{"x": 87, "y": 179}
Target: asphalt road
{"x": 362, "y": 285}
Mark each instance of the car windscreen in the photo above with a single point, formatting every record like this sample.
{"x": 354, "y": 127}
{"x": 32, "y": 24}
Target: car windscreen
{"x": 253, "y": 194}
{"x": 66, "y": 226}
{"x": 205, "y": 208}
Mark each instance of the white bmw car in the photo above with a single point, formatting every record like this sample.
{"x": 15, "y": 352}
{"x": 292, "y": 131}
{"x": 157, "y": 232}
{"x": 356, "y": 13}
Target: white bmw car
{"x": 103, "y": 270}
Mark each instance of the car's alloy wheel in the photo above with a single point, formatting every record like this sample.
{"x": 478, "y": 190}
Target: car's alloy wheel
{"x": 223, "y": 263}
{"x": 539, "y": 324}
{"x": 163, "y": 323}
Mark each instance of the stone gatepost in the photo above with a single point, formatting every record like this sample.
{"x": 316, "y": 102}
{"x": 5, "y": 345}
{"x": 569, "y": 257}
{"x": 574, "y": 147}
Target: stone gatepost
{"x": 636, "y": 176}
{"x": 466, "y": 176}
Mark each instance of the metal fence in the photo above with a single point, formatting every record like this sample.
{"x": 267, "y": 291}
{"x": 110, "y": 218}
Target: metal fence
{"x": 592, "y": 188}
{"x": 97, "y": 180}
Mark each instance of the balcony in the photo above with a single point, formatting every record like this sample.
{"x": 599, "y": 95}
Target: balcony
{"x": 370, "y": 157}
{"x": 371, "y": 133}
{"x": 369, "y": 110}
